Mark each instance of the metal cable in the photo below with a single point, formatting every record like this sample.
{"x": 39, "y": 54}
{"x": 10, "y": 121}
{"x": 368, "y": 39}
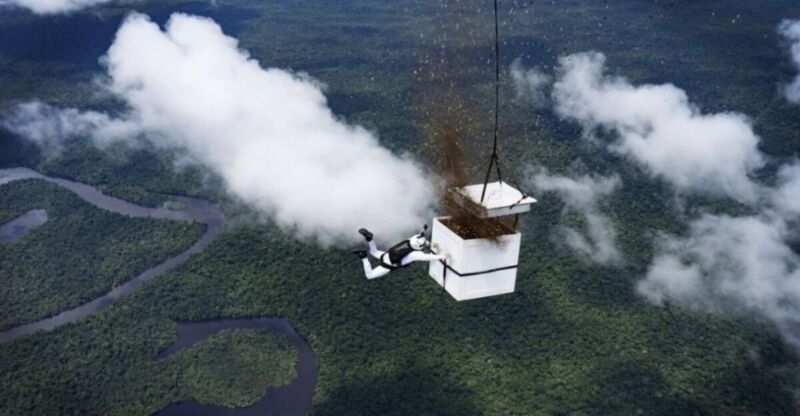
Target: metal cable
{"x": 494, "y": 159}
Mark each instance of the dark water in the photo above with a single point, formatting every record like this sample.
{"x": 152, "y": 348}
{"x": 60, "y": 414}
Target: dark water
{"x": 21, "y": 225}
{"x": 81, "y": 38}
{"x": 290, "y": 400}
{"x": 293, "y": 399}
{"x": 195, "y": 210}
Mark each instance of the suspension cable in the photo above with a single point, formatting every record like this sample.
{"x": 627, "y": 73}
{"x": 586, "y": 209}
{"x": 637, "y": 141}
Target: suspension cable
{"x": 494, "y": 159}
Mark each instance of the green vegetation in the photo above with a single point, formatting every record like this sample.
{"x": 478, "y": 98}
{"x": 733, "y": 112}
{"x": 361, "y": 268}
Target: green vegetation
{"x": 109, "y": 171}
{"x": 570, "y": 340}
{"x": 234, "y": 368}
{"x": 574, "y": 339}
{"x": 133, "y": 382}
{"x": 79, "y": 254}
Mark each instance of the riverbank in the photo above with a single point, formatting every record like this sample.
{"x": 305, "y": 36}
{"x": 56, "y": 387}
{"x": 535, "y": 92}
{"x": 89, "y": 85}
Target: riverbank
{"x": 195, "y": 210}
{"x": 294, "y": 398}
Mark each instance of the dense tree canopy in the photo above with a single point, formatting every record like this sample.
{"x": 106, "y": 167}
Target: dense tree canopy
{"x": 575, "y": 338}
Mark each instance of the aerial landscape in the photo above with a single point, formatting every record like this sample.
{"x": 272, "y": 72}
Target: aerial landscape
{"x": 587, "y": 207}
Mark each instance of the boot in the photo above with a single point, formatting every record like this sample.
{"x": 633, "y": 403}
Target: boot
{"x": 362, "y": 254}
{"x": 367, "y": 235}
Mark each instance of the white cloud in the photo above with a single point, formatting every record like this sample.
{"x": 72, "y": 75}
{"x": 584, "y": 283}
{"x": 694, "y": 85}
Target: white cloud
{"x": 730, "y": 264}
{"x": 268, "y": 133}
{"x": 530, "y": 84}
{"x": 737, "y": 264}
{"x": 53, "y": 6}
{"x": 723, "y": 264}
{"x": 48, "y": 126}
{"x": 657, "y": 127}
{"x": 598, "y": 240}
{"x": 785, "y": 197}
{"x": 790, "y": 30}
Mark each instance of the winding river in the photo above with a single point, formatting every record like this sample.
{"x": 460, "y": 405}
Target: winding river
{"x": 292, "y": 399}
{"x": 195, "y": 210}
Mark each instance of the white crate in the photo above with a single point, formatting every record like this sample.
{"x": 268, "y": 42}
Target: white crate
{"x": 479, "y": 256}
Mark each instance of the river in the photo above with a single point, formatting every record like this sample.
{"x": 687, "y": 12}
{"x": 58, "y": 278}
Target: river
{"x": 292, "y": 399}
{"x": 195, "y": 210}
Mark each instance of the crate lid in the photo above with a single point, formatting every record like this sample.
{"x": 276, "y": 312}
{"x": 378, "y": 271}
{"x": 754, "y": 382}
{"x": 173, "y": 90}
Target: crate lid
{"x": 501, "y": 199}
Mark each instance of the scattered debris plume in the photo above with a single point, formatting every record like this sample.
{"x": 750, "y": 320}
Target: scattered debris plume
{"x": 446, "y": 149}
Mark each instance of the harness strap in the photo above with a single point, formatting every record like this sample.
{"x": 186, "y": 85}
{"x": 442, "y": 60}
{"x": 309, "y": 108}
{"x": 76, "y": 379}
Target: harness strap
{"x": 399, "y": 251}
{"x": 389, "y": 265}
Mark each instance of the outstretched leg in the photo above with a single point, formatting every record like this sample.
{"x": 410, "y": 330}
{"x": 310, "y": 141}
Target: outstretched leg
{"x": 373, "y": 250}
{"x": 375, "y": 273}
{"x": 369, "y": 272}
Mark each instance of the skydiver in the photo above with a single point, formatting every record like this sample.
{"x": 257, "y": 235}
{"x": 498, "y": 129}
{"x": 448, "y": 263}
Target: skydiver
{"x": 398, "y": 256}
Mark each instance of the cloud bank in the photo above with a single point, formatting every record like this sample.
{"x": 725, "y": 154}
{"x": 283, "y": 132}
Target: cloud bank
{"x": 730, "y": 264}
{"x": 52, "y": 6}
{"x": 657, "y": 127}
{"x": 790, "y": 30}
{"x": 737, "y": 263}
{"x": 724, "y": 263}
{"x": 268, "y": 133}
{"x": 530, "y": 84}
{"x": 582, "y": 194}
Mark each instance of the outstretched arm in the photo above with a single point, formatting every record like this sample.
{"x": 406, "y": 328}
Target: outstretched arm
{"x": 420, "y": 256}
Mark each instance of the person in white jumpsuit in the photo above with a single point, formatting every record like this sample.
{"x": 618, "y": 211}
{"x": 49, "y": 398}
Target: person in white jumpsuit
{"x": 410, "y": 250}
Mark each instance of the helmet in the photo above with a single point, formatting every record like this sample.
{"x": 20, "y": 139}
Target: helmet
{"x": 418, "y": 242}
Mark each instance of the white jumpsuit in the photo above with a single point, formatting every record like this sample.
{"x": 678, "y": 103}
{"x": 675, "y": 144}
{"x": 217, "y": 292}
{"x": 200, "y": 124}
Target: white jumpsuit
{"x": 381, "y": 271}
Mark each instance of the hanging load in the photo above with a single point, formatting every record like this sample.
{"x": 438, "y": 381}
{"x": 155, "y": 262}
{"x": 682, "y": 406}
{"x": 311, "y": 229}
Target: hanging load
{"x": 481, "y": 237}
{"x": 480, "y": 265}
{"x": 474, "y": 250}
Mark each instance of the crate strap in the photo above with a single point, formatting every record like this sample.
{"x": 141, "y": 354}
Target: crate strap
{"x": 447, "y": 267}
